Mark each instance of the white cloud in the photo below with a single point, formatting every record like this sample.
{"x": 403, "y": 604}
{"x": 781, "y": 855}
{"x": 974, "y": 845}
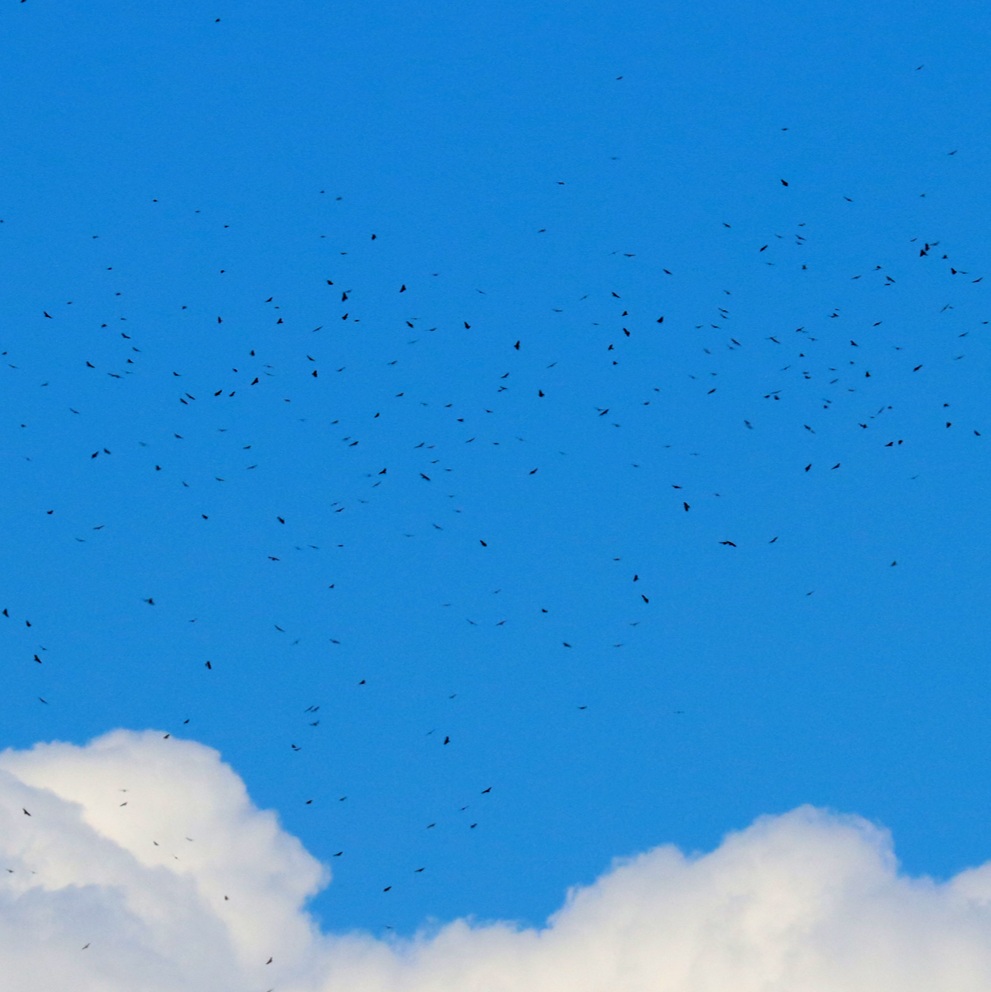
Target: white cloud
{"x": 143, "y": 883}
{"x": 805, "y": 902}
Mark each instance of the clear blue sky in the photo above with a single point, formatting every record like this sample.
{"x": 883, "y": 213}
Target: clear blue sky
{"x": 485, "y": 542}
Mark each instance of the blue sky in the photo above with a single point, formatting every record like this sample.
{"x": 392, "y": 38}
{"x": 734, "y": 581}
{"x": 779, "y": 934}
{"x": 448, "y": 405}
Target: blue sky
{"x": 485, "y": 542}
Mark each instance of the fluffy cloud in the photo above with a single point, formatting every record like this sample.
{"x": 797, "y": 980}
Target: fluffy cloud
{"x": 190, "y": 887}
{"x": 150, "y": 851}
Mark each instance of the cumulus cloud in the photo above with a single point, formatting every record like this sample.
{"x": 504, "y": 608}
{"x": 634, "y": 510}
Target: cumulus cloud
{"x": 189, "y": 887}
{"x": 150, "y": 851}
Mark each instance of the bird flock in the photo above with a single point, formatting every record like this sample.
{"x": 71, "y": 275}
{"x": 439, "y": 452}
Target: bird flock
{"x": 280, "y": 470}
